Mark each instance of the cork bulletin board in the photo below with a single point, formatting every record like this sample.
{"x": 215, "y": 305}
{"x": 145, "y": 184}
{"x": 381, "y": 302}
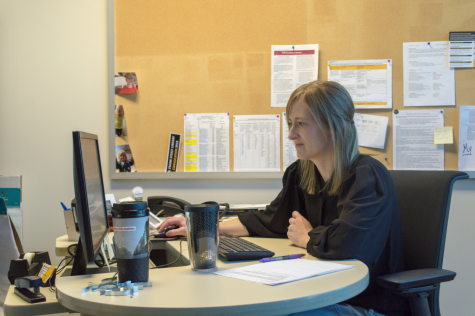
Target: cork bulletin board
{"x": 214, "y": 56}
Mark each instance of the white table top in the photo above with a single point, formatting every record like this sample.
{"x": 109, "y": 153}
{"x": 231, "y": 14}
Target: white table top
{"x": 181, "y": 291}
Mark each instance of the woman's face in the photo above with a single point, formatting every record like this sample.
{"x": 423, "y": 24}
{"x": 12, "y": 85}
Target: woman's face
{"x": 310, "y": 141}
{"x": 123, "y": 157}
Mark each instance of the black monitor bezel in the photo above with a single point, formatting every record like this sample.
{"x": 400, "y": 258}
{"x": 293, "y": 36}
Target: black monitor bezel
{"x": 82, "y": 207}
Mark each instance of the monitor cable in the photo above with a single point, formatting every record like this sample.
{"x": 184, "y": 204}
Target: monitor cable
{"x": 169, "y": 264}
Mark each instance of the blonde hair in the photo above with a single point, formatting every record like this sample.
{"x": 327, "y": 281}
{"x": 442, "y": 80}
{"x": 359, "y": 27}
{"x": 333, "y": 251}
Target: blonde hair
{"x": 120, "y": 153}
{"x": 333, "y": 109}
{"x": 131, "y": 76}
{"x": 119, "y": 109}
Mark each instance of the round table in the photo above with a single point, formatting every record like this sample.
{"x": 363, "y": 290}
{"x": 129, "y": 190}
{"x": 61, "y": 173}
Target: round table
{"x": 181, "y": 291}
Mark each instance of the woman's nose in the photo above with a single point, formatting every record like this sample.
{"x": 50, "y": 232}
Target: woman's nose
{"x": 292, "y": 134}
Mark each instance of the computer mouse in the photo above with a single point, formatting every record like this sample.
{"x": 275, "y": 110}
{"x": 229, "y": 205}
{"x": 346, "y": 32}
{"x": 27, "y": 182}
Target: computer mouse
{"x": 163, "y": 233}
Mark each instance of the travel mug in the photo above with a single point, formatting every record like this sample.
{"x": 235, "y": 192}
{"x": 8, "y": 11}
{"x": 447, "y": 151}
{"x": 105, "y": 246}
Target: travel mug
{"x": 130, "y": 220}
{"x": 202, "y": 225}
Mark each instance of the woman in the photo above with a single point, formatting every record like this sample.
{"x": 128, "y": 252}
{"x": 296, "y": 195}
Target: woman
{"x": 335, "y": 202}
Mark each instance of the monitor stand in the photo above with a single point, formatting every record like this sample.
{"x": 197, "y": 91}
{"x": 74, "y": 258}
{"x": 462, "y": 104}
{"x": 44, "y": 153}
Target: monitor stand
{"x": 82, "y": 267}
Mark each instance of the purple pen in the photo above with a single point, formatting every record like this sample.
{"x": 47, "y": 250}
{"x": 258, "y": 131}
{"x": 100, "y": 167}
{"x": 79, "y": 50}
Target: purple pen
{"x": 296, "y": 256}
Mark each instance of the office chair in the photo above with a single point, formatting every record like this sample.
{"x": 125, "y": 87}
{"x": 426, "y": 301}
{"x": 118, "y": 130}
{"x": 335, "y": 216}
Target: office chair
{"x": 424, "y": 202}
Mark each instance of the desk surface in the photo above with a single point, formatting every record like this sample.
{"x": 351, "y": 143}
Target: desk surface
{"x": 181, "y": 291}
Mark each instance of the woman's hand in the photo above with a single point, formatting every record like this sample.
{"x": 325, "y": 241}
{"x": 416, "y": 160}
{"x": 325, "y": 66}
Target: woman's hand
{"x": 172, "y": 221}
{"x": 298, "y": 230}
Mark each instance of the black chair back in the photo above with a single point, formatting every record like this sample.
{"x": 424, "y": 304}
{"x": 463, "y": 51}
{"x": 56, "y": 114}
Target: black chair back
{"x": 424, "y": 202}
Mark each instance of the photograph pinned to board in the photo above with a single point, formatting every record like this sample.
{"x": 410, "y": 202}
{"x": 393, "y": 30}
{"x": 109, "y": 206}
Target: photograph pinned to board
{"x": 124, "y": 162}
{"x": 120, "y": 125}
{"x": 126, "y": 83}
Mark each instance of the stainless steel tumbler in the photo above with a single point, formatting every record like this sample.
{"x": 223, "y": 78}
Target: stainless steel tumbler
{"x": 202, "y": 228}
{"x": 130, "y": 221}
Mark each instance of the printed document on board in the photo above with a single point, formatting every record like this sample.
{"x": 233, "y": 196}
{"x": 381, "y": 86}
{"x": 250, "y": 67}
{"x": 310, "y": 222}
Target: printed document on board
{"x": 461, "y": 49}
{"x": 413, "y": 142}
{"x": 369, "y": 82}
{"x": 256, "y": 142}
{"x": 292, "y": 66}
{"x": 427, "y": 79}
{"x": 207, "y": 142}
{"x": 371, "y": 130}
{"x": 290, "y": 153}
{"x": 467, "y": 138}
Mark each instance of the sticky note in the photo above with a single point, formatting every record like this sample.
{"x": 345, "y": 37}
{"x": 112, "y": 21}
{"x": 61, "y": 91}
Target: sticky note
{"x": 443, "y": 135}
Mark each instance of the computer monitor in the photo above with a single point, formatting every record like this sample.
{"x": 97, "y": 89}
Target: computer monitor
{"x": 90, "y": 200}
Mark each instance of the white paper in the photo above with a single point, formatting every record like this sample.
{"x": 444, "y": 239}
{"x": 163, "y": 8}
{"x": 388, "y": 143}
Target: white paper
{"x": 369, "y": 82}
{"x": 289, "y": 151}
{"x": 110, "y": 198}
{"x": 371, "y": 130}
{"x": 467, "y": 138}
{"x": 247, "y": 206}
{"x": 413, "y": 144}
{"x": 206, "y": 142}
{"x": 256, "y": 142}
{"x": 127, "y": 199}
{"x": 427, "y": 79}
{"x": 292, "y": 66}
{"x": 285, "y": 271}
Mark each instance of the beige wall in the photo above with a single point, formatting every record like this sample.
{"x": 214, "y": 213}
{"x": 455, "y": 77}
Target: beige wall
{"x": 53, "y": 61}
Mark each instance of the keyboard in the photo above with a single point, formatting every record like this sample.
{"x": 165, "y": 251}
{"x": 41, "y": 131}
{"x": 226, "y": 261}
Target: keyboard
{"x": 234, "y": 248}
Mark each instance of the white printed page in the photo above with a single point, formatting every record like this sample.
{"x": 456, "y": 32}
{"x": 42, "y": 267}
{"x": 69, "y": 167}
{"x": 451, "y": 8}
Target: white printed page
{"x": 292, "y": 66}
{"x": 369, "y": 82}
{"x": 289, "y": 151}
{"x": 285, "y": 271}
{"x": 256, "y": 142}
{"x": 413, "y": 142}
{"x": 467, "y": 138}
{"x": 371, "y": 130}
{"x": 206, "y": 142}
{"x": 427, "y": 79}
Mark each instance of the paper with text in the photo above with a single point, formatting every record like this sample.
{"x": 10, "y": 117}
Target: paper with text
{"x": 292, "y": 66}
{"x": 206, "y": 142}
{"x": 369, "y": 82}
{"x": 256, "y": 142}
{"x": 280, "y": 272}
{"x": 427, "y": 79}
{"x": 467, "y": 138}
{"x": 371, "y": 130}
{"x": 443, "y": 135}
{"x": 289, "y": 151}
{"x": 413, "y": 144}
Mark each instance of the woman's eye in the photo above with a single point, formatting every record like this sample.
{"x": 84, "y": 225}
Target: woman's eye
{"x": 300, "y": 124}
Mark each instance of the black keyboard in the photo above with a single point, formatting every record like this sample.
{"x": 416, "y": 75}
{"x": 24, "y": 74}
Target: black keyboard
{"x": 234, "y": 248}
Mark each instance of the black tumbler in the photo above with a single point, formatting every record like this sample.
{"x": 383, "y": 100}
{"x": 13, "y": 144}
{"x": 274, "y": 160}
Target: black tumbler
{"x": 130, "y": 221}
{"x": 202, "y": 223}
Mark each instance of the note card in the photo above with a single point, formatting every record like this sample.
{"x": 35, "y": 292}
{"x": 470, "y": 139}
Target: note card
{"x": 443, "y": 135}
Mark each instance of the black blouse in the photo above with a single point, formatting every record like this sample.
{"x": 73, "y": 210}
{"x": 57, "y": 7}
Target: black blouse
{"x": 362, "y": 222}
